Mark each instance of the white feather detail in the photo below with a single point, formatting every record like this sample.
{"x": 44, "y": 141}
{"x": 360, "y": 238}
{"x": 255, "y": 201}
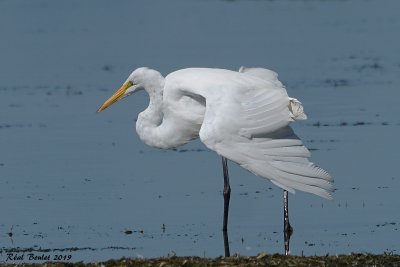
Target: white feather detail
{"x": 297, "y": 110}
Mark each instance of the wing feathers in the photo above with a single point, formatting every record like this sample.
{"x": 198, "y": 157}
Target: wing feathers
{"x": 294, "y": 151}
{"x": 259, "y": 131}
{"x": 288, "y": 184}
{"x": 273, "y": 143}
{"x": 264, "y": 97}
{"x": 251, "y": 128}
{"x": 262, "y": 73}
{"x": 264, "y": 110}
{"x": 309, "y": 170}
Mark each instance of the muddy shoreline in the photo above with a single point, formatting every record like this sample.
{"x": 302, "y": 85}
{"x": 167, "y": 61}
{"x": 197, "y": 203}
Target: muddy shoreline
{"x": 262, "y": 259}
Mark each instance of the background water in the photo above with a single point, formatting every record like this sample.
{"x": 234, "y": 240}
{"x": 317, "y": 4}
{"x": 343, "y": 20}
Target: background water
{"x": 71, "y": 178}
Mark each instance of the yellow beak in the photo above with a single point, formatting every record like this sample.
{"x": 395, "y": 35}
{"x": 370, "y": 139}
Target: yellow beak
{"x": 119, "y": 94}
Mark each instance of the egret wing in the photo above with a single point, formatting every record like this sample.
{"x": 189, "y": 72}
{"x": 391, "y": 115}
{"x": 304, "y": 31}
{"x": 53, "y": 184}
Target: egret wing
{"x": 250, "y": 127}
{"x": 295, "y": 106}
{"x": 262, "y": 73}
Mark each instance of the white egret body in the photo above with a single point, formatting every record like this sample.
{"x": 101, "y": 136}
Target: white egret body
{"x": 243, "y": 116}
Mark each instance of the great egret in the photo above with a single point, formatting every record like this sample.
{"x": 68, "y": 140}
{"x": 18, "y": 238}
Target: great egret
{"x": 243, "y": 116}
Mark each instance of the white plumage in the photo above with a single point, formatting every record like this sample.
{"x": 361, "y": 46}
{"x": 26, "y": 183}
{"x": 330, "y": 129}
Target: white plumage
{"x": 243, "y": 116}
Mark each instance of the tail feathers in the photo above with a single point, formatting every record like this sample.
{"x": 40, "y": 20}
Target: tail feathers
{"x": 284, "y": 187}
{"x": 291, "y": 187}
{"x": 309, "y": 170}
{"x": 304, "y": 177}
{"x": 291, "y": 176}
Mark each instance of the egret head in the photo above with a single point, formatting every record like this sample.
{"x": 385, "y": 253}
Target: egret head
{"x": 141, "y": 78}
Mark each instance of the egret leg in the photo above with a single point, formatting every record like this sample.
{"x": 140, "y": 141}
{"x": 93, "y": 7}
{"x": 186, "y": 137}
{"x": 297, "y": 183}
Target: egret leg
{"x": 227, "y": 196}
{"x": 287, "y": 228}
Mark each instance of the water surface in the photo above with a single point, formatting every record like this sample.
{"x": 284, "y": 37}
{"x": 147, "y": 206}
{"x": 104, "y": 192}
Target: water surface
{"x": 71, "y": 178}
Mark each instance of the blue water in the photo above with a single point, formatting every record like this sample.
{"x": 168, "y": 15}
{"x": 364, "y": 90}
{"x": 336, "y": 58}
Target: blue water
{"x": 71, "y": 178}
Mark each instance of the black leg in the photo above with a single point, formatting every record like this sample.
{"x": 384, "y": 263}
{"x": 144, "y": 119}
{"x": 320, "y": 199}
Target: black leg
{"x": 227, "y": 196}
{"x": 287, "y": 228}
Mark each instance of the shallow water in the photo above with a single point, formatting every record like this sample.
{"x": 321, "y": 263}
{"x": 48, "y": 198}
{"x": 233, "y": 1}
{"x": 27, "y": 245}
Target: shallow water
{"x": 71, "y": 178}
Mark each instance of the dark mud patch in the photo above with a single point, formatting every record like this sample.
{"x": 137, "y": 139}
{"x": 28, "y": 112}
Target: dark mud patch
{"x": 47, "y": 90}
{"x": 21, "y": 125}
{"x": 361, "y": 63}
{"x": 345, "y": 123}
{"x": 386, "y": 224}
{"x": 337, "y": 82}
{"x": 129, "y": 232}
{"x": 107, "y": 67}
{"x": 188, "y": 150}
{"x": 322, "y": 141}
{"x": 260, "y": 260}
